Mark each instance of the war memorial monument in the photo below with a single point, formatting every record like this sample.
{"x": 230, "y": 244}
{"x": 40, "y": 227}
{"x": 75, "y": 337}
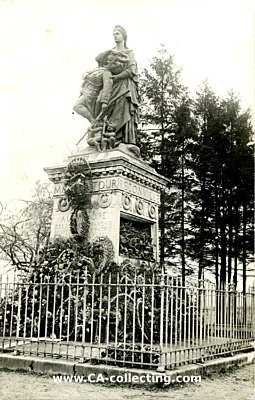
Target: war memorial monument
{"x": 122, "y": 190}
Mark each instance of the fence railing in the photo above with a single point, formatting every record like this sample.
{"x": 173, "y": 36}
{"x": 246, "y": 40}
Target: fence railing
{"x": 146, "y": 320}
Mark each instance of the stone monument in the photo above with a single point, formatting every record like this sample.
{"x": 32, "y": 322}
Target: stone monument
{"x": 124, "y": 194}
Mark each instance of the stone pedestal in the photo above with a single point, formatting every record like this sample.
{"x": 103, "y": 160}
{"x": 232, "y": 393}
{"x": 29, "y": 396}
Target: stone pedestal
{"x": 125, "y": 190}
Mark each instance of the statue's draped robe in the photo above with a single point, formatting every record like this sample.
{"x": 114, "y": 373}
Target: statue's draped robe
{"x": 123, "y": 103}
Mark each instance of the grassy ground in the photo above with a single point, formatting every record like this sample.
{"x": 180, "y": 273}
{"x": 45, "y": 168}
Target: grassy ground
{"x": 237, "y": 385}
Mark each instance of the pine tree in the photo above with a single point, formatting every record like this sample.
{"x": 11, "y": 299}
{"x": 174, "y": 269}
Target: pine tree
{"x": 224, "y": 194}
{"x": 203, "y": 148}
{"x": 167, "y": 142}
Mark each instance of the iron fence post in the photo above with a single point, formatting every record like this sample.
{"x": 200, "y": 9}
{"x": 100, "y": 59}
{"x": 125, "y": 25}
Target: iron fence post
{"x": 161, "y": 366}
{"x": 18, "y": 317}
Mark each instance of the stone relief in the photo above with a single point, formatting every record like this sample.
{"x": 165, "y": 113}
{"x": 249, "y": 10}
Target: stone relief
{"x": 101, "y": 135}
{"x": 136, "y": 240}
{"x": 126, "y": 202}
{"x": 138, "y": 206}
{"x": 104, "y": 200}
{"x": 63, "y": 204}
{"x": 152, "y": 211}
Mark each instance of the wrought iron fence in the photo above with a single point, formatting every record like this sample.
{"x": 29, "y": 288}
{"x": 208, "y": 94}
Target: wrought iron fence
{"x": 146, "y": 320}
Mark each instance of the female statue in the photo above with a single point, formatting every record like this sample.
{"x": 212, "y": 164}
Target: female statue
{"x": 123, "y": 103}
{"x": 110, "y": 91}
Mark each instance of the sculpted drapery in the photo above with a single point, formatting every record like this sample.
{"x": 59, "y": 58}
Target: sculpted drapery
{"x": 123, "y": 103}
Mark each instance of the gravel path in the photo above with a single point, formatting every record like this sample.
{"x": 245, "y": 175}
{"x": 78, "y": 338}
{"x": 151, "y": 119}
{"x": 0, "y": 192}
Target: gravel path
{"x": 237, "y": 385}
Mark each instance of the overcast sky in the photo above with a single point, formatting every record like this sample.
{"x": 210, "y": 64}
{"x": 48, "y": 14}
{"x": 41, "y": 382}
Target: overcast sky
{"x": 46, "y": 45}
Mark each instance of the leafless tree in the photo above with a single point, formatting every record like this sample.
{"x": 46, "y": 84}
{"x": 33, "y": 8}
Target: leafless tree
{"x": 25, "y": 233}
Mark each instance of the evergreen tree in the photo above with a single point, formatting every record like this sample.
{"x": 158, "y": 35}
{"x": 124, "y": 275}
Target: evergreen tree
{"x": 240, "y": 168}
{"x": 167, "y": 142}
{"x": 204, "y": 246}
{"x": 203, "y": 147}
{"x": 222, "y": 220}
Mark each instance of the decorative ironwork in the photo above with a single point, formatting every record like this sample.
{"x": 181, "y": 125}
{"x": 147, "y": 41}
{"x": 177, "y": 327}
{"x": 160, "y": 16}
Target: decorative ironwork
{"x": 138, "y": 317}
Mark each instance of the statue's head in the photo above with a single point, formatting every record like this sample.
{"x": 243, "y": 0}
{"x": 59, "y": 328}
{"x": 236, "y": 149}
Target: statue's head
{"x": 120, "y": 34}
{"x": 116, "y": 62}
{"x": 102, "y": 58}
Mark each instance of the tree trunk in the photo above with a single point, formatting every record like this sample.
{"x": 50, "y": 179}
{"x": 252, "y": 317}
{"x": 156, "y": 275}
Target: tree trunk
{"x": 162, "y": 230}
{"x": 230, "y": 237}
{"x": 182, "y": 222}
{"x": 236, "y": 245}
{"x": 216, "y": 237}
{"x": 244, "y": 246}
{"x": 223, "y": 254}
{"x": 201, "y": 240}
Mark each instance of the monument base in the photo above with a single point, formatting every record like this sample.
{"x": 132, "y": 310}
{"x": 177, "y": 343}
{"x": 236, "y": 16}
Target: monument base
{"x": 124, "y": 205}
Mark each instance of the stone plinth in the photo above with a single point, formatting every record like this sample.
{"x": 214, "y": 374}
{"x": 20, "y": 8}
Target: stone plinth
{"x": 125, "y": 190}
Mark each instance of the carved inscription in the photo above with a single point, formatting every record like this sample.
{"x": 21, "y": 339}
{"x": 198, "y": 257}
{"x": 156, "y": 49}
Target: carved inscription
{"x": 61, "y": 225}
{"x": 126, "y": 186}
{"x": 118, "y": 183}
{"x": 100, "y": 223}
{"x": 58, "y": 189}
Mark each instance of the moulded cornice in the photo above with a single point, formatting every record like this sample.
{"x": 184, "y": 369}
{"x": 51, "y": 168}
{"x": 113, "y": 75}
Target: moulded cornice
{"x": 114, "y": 163}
